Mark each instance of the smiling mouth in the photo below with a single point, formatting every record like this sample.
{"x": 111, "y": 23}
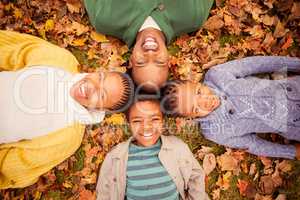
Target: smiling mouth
{"x": 147, "y": 135}
{"x": 150, "y": 44}
{"x": 82, "y": 90}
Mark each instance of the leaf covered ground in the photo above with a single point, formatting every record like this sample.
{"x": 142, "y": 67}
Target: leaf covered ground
{"x": 235, "y": 29}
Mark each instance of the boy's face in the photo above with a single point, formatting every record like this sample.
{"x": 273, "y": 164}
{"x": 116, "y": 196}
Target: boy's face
{"x": 149, "y": 60}
{"x": 196, "y": 100}
{"x": 146, "y": 122}
{"x": 99, "y": 90}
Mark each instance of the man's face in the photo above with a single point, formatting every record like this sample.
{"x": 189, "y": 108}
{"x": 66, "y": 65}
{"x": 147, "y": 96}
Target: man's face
{"x": 149, "y": 60}
{"x": 146, "y": 122}
{"x": 196, "y": 100}
{"x": 99, "y": 90}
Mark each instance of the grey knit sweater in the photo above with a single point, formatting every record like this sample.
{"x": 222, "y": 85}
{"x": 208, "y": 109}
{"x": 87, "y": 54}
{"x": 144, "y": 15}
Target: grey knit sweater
{"x": 250, "y": 105}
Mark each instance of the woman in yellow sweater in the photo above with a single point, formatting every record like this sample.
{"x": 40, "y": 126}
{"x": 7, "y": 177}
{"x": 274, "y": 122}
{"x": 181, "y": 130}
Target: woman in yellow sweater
{"x": 45, "y": 104}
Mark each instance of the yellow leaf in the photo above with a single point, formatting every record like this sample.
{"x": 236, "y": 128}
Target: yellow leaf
{"x": 67, "y": 184}
{"x": 49, "y": 25}
{"x": 79, "y": 42}
{"x": 17, "y": 13}
{"x": 37, "y": 195}
{"x": 8, "y": 7}
{"x": 116, "y": 119}
{"x": 42, "y": 33}
{"x": 98, "y": 37}
{"x": 91, "y": 54}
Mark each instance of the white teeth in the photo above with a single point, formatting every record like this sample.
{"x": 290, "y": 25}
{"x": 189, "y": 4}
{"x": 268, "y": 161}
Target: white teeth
{"x": 82, "y": 90}
{"x": 149, "y": 39}
{"x": 147, "y": 134}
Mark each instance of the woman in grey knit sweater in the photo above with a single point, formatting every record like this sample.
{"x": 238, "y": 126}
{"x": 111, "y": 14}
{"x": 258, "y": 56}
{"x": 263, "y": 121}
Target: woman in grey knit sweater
{"x": 232, "y": 106}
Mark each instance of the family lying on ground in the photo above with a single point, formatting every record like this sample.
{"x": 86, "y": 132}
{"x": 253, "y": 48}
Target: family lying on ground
{"x": 45, "y": 104}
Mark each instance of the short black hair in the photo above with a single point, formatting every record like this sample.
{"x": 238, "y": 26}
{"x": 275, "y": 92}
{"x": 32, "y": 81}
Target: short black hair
{"x": 142, "y": 98}
{"x": 127, "y": 95}
{"x": 169, "y": 100}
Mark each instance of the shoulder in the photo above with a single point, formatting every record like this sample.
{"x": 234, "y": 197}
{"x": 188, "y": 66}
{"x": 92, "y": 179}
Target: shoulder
{"x": 118, "y": 150}
{"x": 177, "y": 144}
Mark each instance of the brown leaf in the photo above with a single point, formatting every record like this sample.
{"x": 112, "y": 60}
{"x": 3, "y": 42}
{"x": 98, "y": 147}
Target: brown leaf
{"x": 280, "y": 31}
{"x": 209, "y": 163}
{"x": 74, "y": 7}
{"x": 277, "y": 180}
{"x": 227, "y": 162}
{"x": 266, "y": 185}
{"x": 281, "y": 197}
{"x": 77, "y": 28}
{"x": 214, "y": 23}
{"x": 214, "y": 62}
{"x": 268, "y": 20}
{"x": 295, "y": 12}
{"x": 285, "y": 166}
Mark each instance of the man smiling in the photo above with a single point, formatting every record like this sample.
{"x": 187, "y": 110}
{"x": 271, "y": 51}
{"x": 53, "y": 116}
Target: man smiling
{"x": 148, "y": 26}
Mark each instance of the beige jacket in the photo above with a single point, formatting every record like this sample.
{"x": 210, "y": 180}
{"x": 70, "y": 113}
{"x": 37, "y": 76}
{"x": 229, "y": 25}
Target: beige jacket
{"x": 174, "y": 155}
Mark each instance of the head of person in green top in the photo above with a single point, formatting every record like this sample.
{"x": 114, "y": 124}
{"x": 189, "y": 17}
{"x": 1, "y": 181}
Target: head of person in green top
{"x": 149, "y": 60}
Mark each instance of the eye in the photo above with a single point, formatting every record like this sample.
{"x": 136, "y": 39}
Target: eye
{"x": 140, "y": 63}
{"x": 199, "y": 91}
{"x": 156, "y": 119}
{"x": 160, "y": 62}
{"x": 135, "y": 121}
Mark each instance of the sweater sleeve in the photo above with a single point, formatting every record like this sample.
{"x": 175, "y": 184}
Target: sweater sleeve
{"x": 260, "y": 147}
{"x": 253, "y": 65}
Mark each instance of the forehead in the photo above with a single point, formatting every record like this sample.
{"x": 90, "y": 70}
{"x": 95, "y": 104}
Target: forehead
{"x": 145, "y": 109}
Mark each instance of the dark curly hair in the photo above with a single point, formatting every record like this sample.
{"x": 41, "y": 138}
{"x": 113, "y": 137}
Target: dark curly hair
{"x": 169, "y": 100}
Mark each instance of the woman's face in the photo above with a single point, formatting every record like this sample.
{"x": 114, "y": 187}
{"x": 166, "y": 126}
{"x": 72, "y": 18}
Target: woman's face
{"x": 99, "y": 90}
{"x": 195, "y": 100}
{"x": 146, "y": 122}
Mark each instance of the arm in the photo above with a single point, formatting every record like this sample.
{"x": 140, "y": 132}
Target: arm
{"x": 254, "y": 65}
{"x": 260, "y": 147}
{"x": 22, "y": 50}
{"x": 104, "y": 180}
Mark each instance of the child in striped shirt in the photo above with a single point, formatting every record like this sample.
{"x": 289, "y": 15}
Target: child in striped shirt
{"x": 150, "y": 165}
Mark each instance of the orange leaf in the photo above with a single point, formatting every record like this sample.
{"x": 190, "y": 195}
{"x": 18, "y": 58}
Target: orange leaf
{"x": 242, "y": 185}
{"x": 288, "y": 43}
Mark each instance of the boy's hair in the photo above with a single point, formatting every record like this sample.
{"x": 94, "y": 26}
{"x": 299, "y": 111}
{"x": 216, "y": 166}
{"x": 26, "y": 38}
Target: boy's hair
{"x": 141, "y": 98}
{"x": 128, "y": 94}
{"x": 170, "y": 98}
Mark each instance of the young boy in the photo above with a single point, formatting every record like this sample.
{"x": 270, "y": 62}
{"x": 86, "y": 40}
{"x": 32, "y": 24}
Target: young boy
{"x": 150, "y": 165}
{"x": 45, "y": 104}
{"x": 231, "y": 107}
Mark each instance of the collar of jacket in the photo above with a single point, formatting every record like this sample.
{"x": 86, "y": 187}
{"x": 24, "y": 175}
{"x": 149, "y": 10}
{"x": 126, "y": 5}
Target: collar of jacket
{"x": 123, "y": 149}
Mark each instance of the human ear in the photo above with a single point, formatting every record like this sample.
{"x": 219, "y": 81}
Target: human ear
{"x": 130, "y": 63}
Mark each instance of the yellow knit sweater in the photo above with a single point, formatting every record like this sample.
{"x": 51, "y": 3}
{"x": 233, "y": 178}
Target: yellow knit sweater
{"x": 21, "y": 163}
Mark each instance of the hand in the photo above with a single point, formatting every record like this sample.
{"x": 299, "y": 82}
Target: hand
{"x": 298, "y": 151}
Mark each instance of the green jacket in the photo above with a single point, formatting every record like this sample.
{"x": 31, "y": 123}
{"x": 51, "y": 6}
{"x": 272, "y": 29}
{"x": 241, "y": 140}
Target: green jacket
{"x": 123, "y": 18}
